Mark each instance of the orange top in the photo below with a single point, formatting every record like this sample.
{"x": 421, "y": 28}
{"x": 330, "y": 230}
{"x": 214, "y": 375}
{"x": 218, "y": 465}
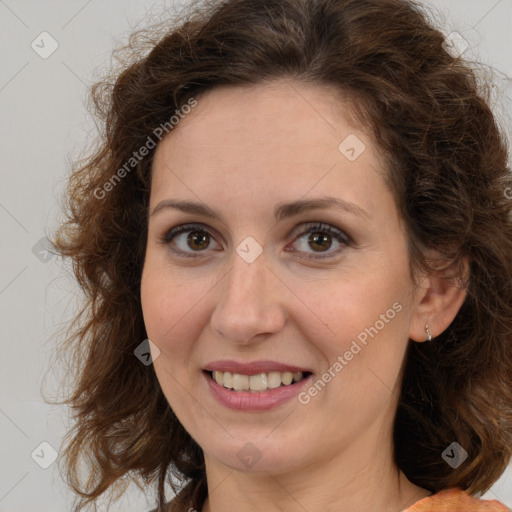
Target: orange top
{"x": 453, "y": 500}
{"x": 456, "y": 500}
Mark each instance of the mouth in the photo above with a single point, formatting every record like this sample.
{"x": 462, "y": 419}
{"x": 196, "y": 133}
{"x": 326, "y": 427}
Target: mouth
{"x": 254, "y": 386}
{"x": 255, "y": 393}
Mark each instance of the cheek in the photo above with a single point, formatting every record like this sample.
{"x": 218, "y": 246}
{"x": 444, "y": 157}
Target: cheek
{"x": 170, "y": 311}
{"x": 169, "y": 303}
{"x": 361, "y": 333}
{"x": 362, "y": 318}
{"x": 346, "y": 307}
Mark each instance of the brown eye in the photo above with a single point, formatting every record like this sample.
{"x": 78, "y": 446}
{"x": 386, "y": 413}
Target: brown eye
{"x": 320, "y": 242}
{"x": 197, "y": 240}
{"x": 321, "y": 237}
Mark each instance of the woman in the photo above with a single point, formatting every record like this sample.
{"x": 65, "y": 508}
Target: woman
{"x": 296, "y": 250}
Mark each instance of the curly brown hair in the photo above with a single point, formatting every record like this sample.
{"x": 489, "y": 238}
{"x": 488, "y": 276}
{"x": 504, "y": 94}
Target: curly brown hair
{"x": 446, "y": 159}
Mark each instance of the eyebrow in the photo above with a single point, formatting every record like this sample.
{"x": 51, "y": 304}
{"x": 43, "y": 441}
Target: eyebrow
{"x": 281, "y": 211}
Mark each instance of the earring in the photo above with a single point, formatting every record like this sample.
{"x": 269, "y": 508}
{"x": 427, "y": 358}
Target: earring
{"x": 429, "y": 336}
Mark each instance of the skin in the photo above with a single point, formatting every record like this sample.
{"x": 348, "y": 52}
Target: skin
{"x": 242, "y": 151}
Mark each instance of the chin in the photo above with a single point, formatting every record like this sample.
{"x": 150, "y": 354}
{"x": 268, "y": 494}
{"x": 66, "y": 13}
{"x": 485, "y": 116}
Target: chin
{"x": 259, "y": 455}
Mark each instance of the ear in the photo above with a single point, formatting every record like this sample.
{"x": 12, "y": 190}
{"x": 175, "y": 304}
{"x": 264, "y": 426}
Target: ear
{"x": 439, "y": 297}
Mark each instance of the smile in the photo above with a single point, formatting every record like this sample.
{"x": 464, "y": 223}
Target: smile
{"x": 245, "y": 398}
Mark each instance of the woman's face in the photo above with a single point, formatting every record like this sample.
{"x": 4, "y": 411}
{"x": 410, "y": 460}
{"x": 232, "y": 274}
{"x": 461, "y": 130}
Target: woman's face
{"x": 254, "y": 285}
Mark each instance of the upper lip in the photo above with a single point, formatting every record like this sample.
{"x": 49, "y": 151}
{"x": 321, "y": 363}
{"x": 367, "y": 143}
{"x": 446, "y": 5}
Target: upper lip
{"x": 252, "y": 368}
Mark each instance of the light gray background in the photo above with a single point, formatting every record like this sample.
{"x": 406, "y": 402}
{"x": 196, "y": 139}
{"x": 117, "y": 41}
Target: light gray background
{"x": 43, "y": 125}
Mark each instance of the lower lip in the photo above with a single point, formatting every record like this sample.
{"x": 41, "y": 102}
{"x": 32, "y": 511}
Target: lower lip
{"x": 254, "y": 401}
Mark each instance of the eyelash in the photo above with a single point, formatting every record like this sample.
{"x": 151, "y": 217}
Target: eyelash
{"x": 316, "y": 227}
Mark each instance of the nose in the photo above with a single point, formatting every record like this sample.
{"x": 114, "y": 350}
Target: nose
{"x": 249, "y": 303}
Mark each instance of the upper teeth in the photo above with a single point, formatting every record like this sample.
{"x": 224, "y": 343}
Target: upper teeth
{"x": 259, "y": 382}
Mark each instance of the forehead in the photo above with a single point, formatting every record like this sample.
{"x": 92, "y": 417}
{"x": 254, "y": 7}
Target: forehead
{"x": 276, "y": 113}
{"x": 269, "y": 142}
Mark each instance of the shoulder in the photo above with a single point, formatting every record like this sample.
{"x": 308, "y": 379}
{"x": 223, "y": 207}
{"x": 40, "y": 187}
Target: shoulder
{"x": 456, "y": 500}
